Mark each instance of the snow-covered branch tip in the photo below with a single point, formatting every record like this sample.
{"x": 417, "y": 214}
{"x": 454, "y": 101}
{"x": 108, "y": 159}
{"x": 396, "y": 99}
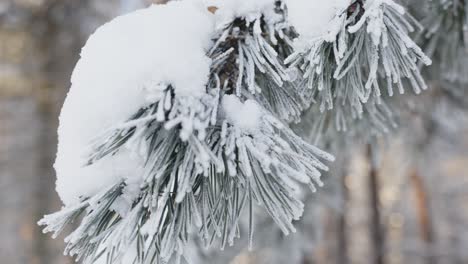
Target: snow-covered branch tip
{"x": 367, "y": 46}
{"x": 268, "y": 157}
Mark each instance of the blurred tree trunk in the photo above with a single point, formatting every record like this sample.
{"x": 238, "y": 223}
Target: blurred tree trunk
{"x": 423, "y": 214}
{"x": 342, "y": 232}
{"x": 376, "y": 230}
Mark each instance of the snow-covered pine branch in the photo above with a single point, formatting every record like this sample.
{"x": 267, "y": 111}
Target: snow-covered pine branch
{"x": 176, "y": 121}
{"x": 171, "y": 122}
{"x": 367, "y": 46}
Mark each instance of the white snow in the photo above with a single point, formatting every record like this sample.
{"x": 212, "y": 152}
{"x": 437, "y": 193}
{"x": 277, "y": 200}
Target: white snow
{"x": 245, "y": 116}
{"x": 311, "y": 18}
{"x": 158, "y": 45}
{"x": 248, "y": 9}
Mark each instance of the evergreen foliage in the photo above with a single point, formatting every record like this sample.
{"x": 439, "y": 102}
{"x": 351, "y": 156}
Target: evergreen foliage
{"x": 213, "y": 159}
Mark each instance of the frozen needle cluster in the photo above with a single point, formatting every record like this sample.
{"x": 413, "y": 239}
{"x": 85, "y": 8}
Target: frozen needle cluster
{"x": 366, "y": 54}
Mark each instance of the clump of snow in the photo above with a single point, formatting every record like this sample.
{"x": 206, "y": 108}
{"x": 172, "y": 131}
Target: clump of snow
{"x": 246, "y": 116}
{"x": 311, "y": 18}
{"x": 248, "y": 9}
{"x": 163, "y": 44}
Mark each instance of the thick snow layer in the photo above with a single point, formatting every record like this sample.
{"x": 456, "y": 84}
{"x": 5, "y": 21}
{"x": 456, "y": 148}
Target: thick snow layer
{"x": 245, "y": 116}
{"x": 311, "y": 18}
{"x": 249, "y": 9}
{"x": 158, "y": 45}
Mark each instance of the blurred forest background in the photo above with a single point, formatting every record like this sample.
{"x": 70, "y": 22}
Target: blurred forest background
{"x": 411, "y": 208}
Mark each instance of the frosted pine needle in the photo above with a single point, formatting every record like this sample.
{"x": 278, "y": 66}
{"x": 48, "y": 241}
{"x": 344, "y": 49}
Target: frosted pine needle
{"x": 367, "y": 45}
